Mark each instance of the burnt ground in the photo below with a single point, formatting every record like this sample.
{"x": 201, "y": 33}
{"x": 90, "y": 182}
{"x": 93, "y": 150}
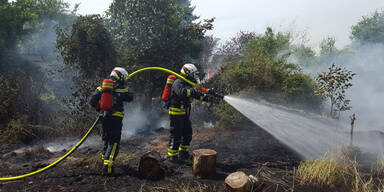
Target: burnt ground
{"x": 247, "y": 148}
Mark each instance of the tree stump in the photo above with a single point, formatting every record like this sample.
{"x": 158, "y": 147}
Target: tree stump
{"x": 204, "y": 163}
{"x": 238, "y": 182}
{"x": 151, "y": 165}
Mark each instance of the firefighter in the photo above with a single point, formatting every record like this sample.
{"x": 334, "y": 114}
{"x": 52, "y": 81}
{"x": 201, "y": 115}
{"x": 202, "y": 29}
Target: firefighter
{"x": 181, "y": 97}
{"x": 113, "y": 117}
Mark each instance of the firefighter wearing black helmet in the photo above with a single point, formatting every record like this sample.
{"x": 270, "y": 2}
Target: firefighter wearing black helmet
{"x": 112, "y": 118}
{"x": 181, "y": 97}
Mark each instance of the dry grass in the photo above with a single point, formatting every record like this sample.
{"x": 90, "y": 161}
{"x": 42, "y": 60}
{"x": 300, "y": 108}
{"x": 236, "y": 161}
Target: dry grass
{"x": 324, "y": 172}
{"x": 20, "y": 131}
{"x": 183, "y": 187}
{"x": 161, "y": 144}
{"x": 380, "y": 164}
{"x": 123, "y": 159}
{"x": 340, "y": 170}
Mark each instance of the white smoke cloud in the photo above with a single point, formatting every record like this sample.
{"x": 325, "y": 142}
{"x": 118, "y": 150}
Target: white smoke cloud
{"x": 367, "y": 92}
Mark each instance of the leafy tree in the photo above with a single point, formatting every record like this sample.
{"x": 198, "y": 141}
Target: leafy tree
{"x": 89, "y": 49}
{"x": 209, "y": 45}
{"x": 262, "y": 69}
{"x": 333, "y": 85}
{"x": 235, "y": 46}
{"x": 50, "y": 14}
{"x": 328, "y": 47}
{"x": 14, "y": 17}
{"x": 369, "y": 29}
{"x": 155, "y": 33}
{"x": 270, "y": 44}
{"x": 304, "y": 56}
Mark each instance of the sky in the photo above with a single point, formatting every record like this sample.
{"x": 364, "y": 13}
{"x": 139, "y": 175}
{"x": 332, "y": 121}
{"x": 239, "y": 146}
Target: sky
{"x": 317, "y": 19}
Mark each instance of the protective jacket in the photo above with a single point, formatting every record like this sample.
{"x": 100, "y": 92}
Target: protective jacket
{"x": 182, "y": 95}
{"x": 120, "y": 95}
{"x": 111, "y": 123}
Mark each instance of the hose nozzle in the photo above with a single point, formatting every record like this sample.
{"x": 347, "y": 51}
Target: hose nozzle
{"x": 213, "y": 92}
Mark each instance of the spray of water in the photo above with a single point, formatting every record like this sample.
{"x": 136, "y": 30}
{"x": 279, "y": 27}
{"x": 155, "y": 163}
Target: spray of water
{"x": 308, "y": 134}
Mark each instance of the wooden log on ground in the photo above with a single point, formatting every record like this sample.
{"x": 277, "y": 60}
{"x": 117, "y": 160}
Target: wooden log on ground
{"x": 151, "y": 165}
{"x": 204, "y": 163}
{"x": 240, "y": 182}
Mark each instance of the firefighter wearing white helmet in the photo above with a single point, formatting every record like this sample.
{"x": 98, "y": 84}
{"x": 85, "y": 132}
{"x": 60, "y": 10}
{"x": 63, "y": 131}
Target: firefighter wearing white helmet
{"x": 112, "y": 117}
{"x": 182, "y": 94}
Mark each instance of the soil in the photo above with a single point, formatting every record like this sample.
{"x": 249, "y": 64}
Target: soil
{"x": 245, "y": 148}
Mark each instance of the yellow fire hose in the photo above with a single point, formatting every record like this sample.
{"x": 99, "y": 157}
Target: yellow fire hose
{"x": 91, "y": 128}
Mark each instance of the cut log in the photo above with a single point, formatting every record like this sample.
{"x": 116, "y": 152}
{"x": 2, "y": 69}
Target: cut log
{"x": 151, "y": 165}
{"x": 204, "y": 163}
{"x": 238, "y": 182}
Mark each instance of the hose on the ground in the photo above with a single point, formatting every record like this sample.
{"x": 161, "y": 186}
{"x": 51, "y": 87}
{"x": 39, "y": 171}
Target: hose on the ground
{"x": 91, "y": 128}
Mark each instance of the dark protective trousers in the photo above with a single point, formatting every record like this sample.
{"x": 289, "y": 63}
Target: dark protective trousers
{"x": 111, "y": 136}
{"x": 181, "y": 134}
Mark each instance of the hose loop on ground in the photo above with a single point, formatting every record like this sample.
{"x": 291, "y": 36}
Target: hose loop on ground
{"x": 91, "y": 128}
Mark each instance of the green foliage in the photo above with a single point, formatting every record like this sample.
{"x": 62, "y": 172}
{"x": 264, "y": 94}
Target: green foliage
{"x": 227, "y": 115}
{"x": 7, "y": 99}
{"x": 88, "y": 47}
{"x": 264, "y": 70}
{"x": 333, "y": 85}
{"x": 369, "y": 29}
{"x": 304, "y": 56}
{"x": 270, "y": 44}
{"x": 234, "y": 48}
{"x": 21, "y": 131}
{"x": 300, "y": 89}
{"x": 16, "y": 20}
{"x": 155, "y": 33}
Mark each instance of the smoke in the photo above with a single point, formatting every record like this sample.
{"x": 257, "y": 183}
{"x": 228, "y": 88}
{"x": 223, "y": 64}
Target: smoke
{"x": 367, "y": 92}
{"x": 138, "y": 120}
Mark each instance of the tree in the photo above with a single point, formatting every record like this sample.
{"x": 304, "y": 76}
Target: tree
{"x": 328, "y": 47}
{"x": 333, "y": 85}
{"x": 14, "y": 18}
{"x": 208, "y": 57}
{"x": 87, "y": 48}
{"x": 263, "y": 70}
{"x": 235, "y": 47}
{"x": 369, "y": 29}
{"x": 155, "y": 33}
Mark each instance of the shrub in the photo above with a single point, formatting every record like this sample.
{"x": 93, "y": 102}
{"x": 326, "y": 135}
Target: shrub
{"x": 21, "y": 131}
{"x": 227, "y": 115}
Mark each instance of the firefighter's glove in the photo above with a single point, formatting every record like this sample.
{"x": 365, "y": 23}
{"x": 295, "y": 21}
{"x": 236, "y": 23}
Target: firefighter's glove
{"x": 198, "y": 87}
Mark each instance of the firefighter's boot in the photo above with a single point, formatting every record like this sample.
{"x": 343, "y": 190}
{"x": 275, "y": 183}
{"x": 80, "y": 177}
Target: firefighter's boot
{"x": 184, "y": 155}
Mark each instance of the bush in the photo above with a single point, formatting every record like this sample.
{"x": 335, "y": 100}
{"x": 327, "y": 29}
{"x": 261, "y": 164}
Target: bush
{"x": 21, "y": 131}
{"x": 8, "y": 97}
{"x": 227, "y": 115}
{"x": 264, "y": 71}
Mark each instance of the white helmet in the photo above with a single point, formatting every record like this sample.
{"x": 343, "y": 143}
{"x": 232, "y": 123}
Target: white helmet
{"x": 119, "y": 74}
{"x": 190, "y": 70}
